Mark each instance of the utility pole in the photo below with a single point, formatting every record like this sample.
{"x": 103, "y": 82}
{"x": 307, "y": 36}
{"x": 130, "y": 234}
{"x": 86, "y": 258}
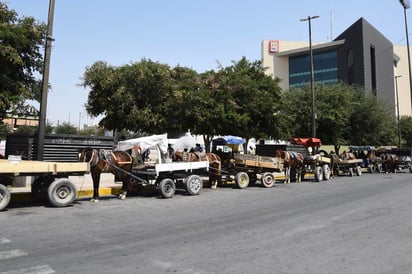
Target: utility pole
{"x": 45, "y": 84}
{"x": 312, "y": 77}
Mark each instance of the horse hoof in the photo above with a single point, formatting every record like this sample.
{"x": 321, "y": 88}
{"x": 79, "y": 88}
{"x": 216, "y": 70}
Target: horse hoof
{"x": 122, "y": 197}
{"x": 94, "y": 200}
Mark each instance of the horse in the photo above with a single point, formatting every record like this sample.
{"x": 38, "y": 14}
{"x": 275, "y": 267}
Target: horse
{"x": 389, "y": 162}
{"x": 107, "y": 161}
{"x": 291, "y": 160}
{"x": 215, "y": 163}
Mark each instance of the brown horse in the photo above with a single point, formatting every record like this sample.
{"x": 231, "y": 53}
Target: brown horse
{"x": 389, "y": 162}
{"x": 291, "y": 160}
{"x": 107, "y": 161}
{"x": 215, "y": 163}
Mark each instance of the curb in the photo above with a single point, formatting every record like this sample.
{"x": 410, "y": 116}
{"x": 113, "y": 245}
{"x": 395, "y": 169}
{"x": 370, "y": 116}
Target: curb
{"x": 84, "y": 193}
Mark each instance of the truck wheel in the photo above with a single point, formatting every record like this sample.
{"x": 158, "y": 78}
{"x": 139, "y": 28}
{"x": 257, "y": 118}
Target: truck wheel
{"x": 194, "y": 184}
{"x": 4, "y": 197}
{"x": 326, "y": 172}
{"x": 242, "y": 180}
{"x": 268, "y": 180}
{"x": 318, "y": 174}
{"x": 167, "y": 188}
{"x": 62, "y": 192}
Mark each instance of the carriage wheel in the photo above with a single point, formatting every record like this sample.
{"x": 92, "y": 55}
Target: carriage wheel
{"x": 351, "y": 172}
{"x": 40, "y": 187}
{"x": 62, "y": 192}
{"x": 167, "y": 188}
{"x": 194, "y": 184}
{"x": 326, "y": 172}
{"x": 268, "y": 180}
{"x": 358, "y": 171}
{"x": 4, "y": 197}
{"x": 318, "y": 174}
{"x": 242, "y": 180}
{"x": 379, "y": 168}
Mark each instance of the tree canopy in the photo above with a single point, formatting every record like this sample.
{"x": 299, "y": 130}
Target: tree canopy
{"x": 21, "y": 60}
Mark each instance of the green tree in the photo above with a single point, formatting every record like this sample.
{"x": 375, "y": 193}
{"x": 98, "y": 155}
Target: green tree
{"x": 345, "y": 115}
{"x": 129, "y": 97}
{"x": 21, "y": 58}
{"x": 406, "y": 130}
{"x": 255, "y": 99}
{"x": 371, "y": 122}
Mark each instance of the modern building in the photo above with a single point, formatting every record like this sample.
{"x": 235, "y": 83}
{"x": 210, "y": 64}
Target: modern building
{"x": 360, "y": 56}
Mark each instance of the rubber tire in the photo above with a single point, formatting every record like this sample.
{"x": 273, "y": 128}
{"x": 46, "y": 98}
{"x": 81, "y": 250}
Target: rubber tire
{"x": 318, "y": 174}
{"x": 268, "y": 180}
{"x": 39, "y": 188}
{"x": 62, "y": 192}
{"x": 326, "y": 172}
{"x": 242, "y": 180}
{"x": 167, "y": 188}
{"x": 351, "y": 172}
{"x": 194, "y": 184}
{"x": 358, "y": 171}
{"x": 4, "y": 197}
{"x": 379, "y": 168}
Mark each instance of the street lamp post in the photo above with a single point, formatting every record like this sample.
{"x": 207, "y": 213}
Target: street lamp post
{"x": 406, "y": 5}
{"x": 312, "y": 77}
{"x": 397, "y": 109}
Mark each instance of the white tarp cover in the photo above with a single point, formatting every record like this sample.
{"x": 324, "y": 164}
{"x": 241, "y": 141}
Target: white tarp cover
{"x": 183, "y": 142}
{"x": 145, "y": 143}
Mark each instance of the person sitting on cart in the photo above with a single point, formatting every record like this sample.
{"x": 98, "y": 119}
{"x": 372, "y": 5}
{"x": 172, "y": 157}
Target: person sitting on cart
{"x": 170, "y": 152}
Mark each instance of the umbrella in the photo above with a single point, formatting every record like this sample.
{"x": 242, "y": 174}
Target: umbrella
{"x": 307, "y": 142}
{"x": 233, "y": 140}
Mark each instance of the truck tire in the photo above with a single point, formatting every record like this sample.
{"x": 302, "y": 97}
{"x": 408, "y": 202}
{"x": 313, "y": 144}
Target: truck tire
{"x": 268, "y": 180}
{"x": 4, "y": 197}
{"x": 167, "y": 188}
{"x": 242, "y": 179}
{"x": 62, "y": 192}
{"x": 194, "y": 184}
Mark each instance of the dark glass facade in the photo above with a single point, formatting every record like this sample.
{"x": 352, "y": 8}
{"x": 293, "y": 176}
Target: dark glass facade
{"x": 325, "y": 67}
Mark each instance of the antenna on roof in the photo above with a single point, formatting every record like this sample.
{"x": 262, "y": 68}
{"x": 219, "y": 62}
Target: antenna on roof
{"x": 331, "y": 25}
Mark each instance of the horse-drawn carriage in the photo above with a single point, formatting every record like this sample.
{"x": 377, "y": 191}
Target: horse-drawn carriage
{"x": 403, "y": 158}
{"x": 318, "y": 165}
{"x": 370, "y": 161}
{"x": 137, "y": 169}
{"x": 245, "y": 169}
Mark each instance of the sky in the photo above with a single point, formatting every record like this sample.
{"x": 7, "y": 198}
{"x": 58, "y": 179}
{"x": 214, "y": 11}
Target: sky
{"x": 199, "y": 34}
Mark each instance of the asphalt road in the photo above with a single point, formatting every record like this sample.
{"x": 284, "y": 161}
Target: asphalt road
{"x": 344, "y": 225}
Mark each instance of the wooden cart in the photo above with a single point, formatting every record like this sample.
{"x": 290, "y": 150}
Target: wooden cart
{"x": 246, "y": 168}
{"x": 51, "y": 179}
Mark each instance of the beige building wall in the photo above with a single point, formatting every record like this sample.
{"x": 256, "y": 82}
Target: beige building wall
{"x": 401, "y": 69}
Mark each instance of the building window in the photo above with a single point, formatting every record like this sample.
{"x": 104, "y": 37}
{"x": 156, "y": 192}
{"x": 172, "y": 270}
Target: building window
{"x": 324, "y": 65}
{"x": 373, "y": 69}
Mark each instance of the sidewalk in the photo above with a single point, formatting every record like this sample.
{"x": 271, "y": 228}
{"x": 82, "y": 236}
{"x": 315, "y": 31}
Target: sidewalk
{"x": 84, "y": 186}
